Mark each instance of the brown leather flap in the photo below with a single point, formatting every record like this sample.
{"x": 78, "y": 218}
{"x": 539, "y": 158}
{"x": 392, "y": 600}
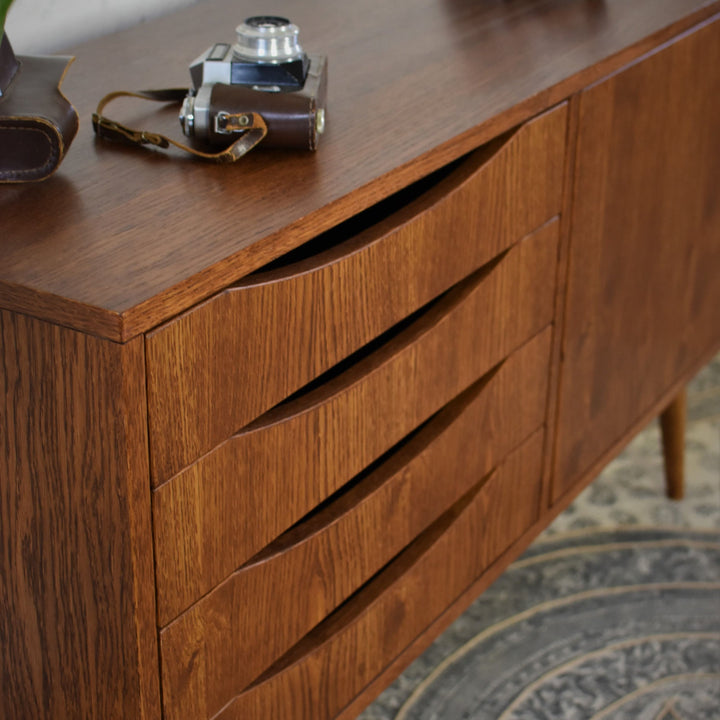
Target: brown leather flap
{"x": 289, "y": 116}
{"x": 37, "y": 123}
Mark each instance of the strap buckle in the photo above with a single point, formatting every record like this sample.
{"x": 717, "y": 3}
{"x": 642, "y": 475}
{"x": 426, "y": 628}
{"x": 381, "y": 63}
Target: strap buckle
{"x": 249, "y": 126}
{"x": 228, "y": 123}
{"x": 111, "y": 128}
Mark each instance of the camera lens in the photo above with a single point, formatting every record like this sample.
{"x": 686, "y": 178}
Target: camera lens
{"x": 267, "y": 39}
{"x": 267, "y": 21}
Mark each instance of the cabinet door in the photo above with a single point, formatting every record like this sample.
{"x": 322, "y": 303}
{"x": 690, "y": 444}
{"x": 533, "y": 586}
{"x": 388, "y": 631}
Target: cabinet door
{"x": 643, "y": 302}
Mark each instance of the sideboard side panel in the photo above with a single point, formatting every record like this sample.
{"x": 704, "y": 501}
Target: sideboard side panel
{"x": 643, "y": 286}
{"x": 77, "y": 608}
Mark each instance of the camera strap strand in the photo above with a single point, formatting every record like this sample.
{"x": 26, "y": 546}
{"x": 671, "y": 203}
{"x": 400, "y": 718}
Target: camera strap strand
{"x": 253, "y": 126}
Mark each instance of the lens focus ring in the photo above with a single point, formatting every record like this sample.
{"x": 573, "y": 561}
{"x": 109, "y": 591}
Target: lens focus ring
{"x": 267, "y": 39}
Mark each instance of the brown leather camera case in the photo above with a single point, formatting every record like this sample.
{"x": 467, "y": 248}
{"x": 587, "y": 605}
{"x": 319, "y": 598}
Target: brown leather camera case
{"x": 37, "y": 123}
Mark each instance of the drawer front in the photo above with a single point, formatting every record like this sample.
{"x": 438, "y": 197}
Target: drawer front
{"x": 221, "y": 365}
{"x": 332, "y": 664}
{"x": 226, "y": 507}
{"x": 266, "y": 606}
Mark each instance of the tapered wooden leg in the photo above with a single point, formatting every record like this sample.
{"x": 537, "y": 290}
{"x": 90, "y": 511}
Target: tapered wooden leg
{"x": 672, "y": 424}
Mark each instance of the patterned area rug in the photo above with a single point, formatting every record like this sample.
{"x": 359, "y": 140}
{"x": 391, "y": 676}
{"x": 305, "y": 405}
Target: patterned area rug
{"x": 613, "y": 614}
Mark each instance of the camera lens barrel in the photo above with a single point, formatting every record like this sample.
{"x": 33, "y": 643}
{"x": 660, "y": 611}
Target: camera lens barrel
{"x": 268, "y": 39}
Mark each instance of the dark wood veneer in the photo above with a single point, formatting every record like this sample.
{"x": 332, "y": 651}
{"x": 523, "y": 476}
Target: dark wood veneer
{"x": 322, "y": 673}
{"x": 219, "y": 366}
{"x": 643, "y": 290}
{"x": 267, "y": 605}
{"x": 369, "y": 458}
{"x": 223, "y": 509}
{"x": 77, "y": 601}
{"x": 92, "y": 247}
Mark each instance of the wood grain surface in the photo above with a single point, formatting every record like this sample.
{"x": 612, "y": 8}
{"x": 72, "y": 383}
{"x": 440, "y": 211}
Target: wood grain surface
{"x": 643, "y": 290}
{"x": 228, "y": 638}
{"x": 223, "y": 509}
{"x": 565, "y": 234}
{"x": 547, "y": 515}
{"x": 77, "y": 606}
{"x": 332, "y": 664}
{"x": 121, "y": 239}
{"x": 219, "y": 366}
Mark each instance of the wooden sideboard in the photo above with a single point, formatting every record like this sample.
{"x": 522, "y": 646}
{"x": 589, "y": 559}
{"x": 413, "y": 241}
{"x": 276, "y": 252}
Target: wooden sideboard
{"x": 267, "y": 429}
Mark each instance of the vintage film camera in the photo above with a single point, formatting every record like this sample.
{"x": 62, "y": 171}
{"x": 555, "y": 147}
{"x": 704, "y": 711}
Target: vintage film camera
{"x": 267, "y": 72}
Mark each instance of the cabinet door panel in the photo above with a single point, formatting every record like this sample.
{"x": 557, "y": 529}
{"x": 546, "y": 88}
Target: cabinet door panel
{"x": 644, "y": 277}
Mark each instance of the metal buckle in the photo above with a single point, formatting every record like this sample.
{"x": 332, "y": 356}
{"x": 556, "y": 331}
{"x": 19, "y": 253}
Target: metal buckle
{"x": 228, "y": 124}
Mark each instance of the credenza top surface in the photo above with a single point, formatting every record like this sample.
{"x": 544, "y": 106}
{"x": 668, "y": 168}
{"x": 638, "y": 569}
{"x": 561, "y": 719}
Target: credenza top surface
{"x": 121, "y": 239}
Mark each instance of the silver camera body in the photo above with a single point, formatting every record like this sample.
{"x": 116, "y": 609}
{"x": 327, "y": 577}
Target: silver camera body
{"x": 266, "y": 71}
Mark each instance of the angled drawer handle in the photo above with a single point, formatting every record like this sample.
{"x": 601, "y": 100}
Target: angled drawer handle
{"x": 267, "y": 605}
{"x": 218, "y": 513}
{"x": 377, "y": 623}
{"x": 224, "y": 363}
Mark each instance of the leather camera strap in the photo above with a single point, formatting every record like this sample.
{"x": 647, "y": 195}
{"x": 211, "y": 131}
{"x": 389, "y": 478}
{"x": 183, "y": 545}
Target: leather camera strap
{"x": 254, "y": 127}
